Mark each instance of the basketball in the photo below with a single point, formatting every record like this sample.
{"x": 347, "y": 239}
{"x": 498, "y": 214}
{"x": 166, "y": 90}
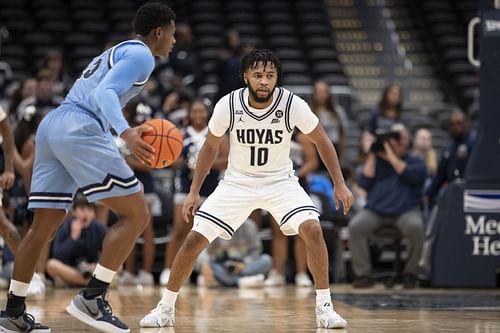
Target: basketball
{"x": 167, "y": 141}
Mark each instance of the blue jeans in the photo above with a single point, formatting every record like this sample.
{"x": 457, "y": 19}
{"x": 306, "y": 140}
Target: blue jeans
{"x": 260, "y": 265}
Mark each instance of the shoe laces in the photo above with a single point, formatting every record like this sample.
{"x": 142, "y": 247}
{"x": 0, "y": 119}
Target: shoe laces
{"x": 160, "y": 307}
{"x": 104, "y": 306}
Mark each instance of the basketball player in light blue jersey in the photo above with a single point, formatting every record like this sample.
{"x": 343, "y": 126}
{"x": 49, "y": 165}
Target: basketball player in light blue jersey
{"x": 75, "y": 151}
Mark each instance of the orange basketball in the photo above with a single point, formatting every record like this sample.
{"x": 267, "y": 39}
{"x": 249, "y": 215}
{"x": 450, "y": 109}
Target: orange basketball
{"x": 166, "y": 139}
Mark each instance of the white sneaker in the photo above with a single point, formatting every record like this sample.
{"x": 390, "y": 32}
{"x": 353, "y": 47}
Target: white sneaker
{"x": 127, "y": 279}
{"x": 303, "y": 280}
{"x": 145, "y": 279}
{"x": 161, "y": 316}
{"x": 165, "y": 274}
{"x": 37, "y": 286}
{"x": 252, "y": 281}
{"x": 274, "y": 279}
{"x": 326, "y": 317}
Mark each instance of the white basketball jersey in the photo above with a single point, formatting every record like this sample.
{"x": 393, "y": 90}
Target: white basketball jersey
{"x": 260, "y": 138}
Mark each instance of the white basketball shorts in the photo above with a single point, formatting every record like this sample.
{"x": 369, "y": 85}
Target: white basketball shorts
{"x": 225, "y": 210}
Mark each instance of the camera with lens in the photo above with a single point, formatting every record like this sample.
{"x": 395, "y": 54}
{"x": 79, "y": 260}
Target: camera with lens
{"x": 382, "y": 136}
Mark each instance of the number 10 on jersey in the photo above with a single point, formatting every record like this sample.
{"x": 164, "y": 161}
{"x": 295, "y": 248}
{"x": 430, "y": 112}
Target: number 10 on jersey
{"x": 258, "y": 156}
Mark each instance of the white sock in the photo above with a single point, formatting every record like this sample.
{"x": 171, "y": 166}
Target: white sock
{"x": 18, "y": 288}
{"x": 103, "y": 274}
{"x": 323, "y": 296}
{"x": 169, "y": 297}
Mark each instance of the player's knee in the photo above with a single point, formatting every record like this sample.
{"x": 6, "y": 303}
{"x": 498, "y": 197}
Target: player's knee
{"x": 310, "y": 231}
{"x": 195, "y": 242}
{"x": 140, "y": 216}
{"x": 179, "y": 233}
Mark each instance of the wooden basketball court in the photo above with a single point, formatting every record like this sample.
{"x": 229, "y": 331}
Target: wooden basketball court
{"x": 289, "y": 309}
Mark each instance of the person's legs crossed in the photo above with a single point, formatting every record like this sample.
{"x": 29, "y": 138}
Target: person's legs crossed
{"x": 70, "y": 275}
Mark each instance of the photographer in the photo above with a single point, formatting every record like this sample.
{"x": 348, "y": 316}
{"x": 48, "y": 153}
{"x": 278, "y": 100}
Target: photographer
{"x": 393, "y": 180}
{"x": 77, "y": 245}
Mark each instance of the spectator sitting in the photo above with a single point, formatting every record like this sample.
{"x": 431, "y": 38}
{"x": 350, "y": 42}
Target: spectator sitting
{"x": 235, "y": 262}
{"x": 393, "y": 180}
{"x": 27, "y": 88}
{"x": 455, "y": 156}
{"x": 331, "y": 116}
{"x": 77, "y": 245}
{"x": 54, "y": 64}
{"x": 45, "y": 99}
{"x": 176, "y": 104}
{"x": 389, "y": 109}
{"x": 422, "y": 146}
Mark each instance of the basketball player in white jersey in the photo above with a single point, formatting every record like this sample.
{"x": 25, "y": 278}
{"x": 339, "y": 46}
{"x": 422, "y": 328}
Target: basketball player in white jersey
{"x": 260, "y": 120}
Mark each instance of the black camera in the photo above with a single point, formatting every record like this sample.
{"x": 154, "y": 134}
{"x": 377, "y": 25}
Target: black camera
{"x": 382, "y": 136}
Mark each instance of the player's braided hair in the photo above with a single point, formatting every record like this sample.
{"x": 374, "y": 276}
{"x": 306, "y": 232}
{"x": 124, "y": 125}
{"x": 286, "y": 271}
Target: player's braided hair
{"x": 152, "y": 15}
{"x": 260, "y": 55}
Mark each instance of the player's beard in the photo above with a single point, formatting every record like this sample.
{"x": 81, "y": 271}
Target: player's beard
{"x": 258, "y": 99}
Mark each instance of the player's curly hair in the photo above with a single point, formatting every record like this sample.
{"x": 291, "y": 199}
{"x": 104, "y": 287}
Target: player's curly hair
{"x": 259, "y": 55}
{"x": 152, "y": 15}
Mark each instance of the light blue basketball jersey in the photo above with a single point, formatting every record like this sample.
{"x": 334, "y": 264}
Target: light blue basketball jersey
{"x": 87, "y": 92}
{"x": 74, "y": 148}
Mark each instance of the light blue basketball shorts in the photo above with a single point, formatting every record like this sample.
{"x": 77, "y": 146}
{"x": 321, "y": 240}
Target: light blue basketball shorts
{"x": 73, "y": 152}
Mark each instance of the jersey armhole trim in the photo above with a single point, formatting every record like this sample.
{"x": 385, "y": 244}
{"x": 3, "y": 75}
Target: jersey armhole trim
{"x": 231, "y": 111}
{"x": 111, "y": 62}
{"x": 287, "y": 113}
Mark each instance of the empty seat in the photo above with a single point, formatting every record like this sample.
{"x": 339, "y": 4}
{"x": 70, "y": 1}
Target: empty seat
{"x": 278, "y": 17}
{"x": 56, "y": 26}
{"x": 315, "y": 29}
{"x": 243, "y": 17}
{"x": 93, "y": 26}
{"x": 207, "y": 17}
{"x": 209, "y": 41}
{"x": 296, "y": 79}
{"x": 281, "y": 29}
{"x": 20, "y": 25}
{"x": 290, "y": 66}
{"x": 283, "y": 41}
{"x": 319, "y": 41}
{"x": 39, "y": 38}
{"x": 78, "y": 38}
{"x": 322, "y": 54}
{"x": 208, "y": 29}
{"x": 334, "y": 79}
{"x": 289, "y": 54}
{"x": 50, "y": 14}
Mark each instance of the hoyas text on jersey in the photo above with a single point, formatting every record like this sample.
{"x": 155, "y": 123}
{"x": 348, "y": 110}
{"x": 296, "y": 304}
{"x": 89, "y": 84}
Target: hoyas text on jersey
{"x": 259, "y": 136}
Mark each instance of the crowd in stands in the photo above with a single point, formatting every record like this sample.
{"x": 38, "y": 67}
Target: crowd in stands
{"x": 398, "y": 184}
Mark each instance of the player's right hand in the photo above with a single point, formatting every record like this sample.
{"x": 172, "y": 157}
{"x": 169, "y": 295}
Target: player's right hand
{"x": 7, "y": 179}
{"x": 133, "y": 137}
{"x": 190, "y": 206}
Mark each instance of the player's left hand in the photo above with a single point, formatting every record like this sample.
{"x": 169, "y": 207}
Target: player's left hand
{"x": 344, "y": 195}
{"x": 7, "y": 179}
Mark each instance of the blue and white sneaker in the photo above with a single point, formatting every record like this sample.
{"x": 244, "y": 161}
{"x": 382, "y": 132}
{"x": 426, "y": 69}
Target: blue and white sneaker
{"x": 97, "y": 313}
{"x": 23, "y": 323}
